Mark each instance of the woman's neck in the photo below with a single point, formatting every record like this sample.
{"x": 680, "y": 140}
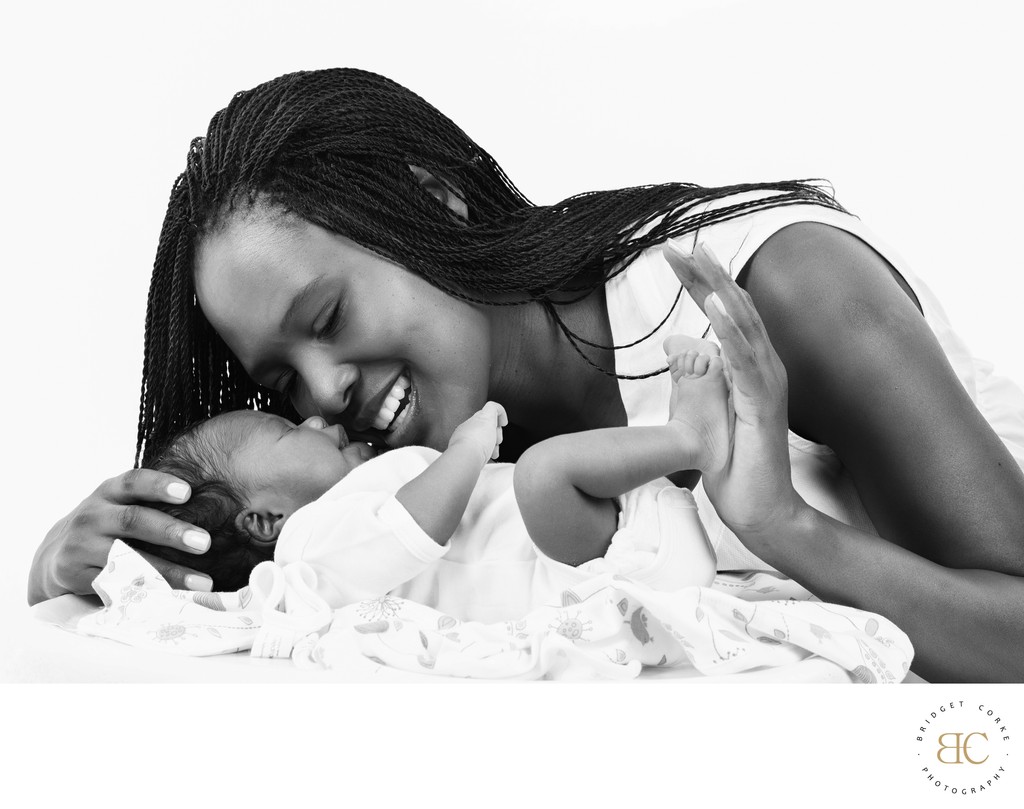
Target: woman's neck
{"x": 544, "y": 384}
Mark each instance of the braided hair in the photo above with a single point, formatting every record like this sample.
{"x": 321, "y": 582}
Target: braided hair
{"x": 335, "y": 147}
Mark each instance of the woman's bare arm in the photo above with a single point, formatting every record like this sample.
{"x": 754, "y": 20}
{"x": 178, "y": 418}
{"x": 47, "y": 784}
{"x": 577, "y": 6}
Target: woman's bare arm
{"x": 869, "y": 379}
{"x": 966, "y": 625}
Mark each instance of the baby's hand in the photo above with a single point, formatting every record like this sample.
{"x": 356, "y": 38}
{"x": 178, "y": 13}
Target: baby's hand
{"x": 482, "y": 429}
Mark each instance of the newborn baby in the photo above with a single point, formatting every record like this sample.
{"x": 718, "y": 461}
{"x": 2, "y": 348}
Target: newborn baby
{"x": 478, "y": 540}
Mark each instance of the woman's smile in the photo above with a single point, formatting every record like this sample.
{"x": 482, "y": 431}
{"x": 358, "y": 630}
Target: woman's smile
{"x": 379, "y": 412}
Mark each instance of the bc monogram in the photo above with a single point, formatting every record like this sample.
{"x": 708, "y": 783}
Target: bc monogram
{"x": 962, "y": 746}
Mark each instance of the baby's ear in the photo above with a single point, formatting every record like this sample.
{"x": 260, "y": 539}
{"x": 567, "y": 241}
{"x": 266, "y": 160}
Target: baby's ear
{"x": 262, "y": 527}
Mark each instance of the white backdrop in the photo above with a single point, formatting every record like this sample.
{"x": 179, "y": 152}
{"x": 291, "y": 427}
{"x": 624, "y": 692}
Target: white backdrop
{"x": 912, "y": 110}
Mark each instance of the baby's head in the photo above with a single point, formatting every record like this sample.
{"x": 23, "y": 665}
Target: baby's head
{"x": 249, "y": 472}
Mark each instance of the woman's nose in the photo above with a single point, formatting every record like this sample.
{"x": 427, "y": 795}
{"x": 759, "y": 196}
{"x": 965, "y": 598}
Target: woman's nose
{"x": 330, "y": 387}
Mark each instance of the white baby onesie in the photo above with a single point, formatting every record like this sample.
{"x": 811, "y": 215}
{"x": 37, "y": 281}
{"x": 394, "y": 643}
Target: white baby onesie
{"x": 363, "y": 544}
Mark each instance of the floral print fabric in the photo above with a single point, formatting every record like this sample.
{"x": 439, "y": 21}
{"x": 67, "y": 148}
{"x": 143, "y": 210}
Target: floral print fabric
{"x": 607, "y": 627}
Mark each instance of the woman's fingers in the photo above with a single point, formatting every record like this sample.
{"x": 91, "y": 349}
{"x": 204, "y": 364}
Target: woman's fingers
{"x": 144, "y": 485}
{"x": 125, "y": 516}
{"x": 153, "y": 527}
{"x": 77, "y": 563}
{"x": 703, "y": 275}
{"x": 684, "y": 265}
{"x": 735, "y": 300}
{"x": 745, "y": 343}
{"x": 746, "y": 374}
{"x": 180, "y": 578}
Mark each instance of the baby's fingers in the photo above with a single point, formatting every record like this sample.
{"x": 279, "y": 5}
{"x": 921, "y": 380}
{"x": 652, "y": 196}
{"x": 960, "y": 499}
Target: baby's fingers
{"x": 497, "y": 412}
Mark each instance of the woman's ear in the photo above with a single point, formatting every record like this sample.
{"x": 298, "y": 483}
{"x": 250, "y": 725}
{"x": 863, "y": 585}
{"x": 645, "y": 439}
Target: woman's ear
{"x": 262, "y": 527}
{"x": 441, "y": 192}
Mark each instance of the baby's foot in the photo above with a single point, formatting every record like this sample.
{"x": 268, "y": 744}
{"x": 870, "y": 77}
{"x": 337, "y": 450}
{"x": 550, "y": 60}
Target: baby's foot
{"x": 700, "y": 402}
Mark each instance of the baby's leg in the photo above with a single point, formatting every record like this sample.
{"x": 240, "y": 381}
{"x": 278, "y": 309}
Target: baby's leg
{"x": 565, "y": 485}
{"x": 565, "y": 522}
{"x": 700, "y": 400}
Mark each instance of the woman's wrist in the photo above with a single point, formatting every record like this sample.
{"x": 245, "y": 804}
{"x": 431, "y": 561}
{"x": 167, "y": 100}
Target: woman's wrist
{"x": 780, "y": 529}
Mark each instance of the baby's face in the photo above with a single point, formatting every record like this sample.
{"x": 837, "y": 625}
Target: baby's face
{"x": 299, "y": 462}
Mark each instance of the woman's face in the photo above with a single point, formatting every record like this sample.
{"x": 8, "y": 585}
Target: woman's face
{"x": 348, "y": 335}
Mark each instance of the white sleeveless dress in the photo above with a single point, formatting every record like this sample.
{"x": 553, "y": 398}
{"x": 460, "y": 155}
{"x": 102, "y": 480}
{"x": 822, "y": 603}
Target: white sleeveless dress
{"x": 639, "y": 298}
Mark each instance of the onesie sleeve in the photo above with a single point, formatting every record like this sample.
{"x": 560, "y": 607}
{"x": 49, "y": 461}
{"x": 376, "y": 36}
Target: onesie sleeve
{"x": 361, "y": 545}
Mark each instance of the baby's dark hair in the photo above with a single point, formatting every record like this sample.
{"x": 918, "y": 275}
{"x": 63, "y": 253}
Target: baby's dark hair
{"x": 201, "y": 457}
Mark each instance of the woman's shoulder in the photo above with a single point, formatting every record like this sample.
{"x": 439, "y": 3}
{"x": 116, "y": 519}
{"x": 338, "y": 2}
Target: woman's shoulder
{"x": 736, "y": 240}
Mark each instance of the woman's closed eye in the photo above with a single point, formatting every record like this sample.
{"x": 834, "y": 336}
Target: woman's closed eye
{"x": 330, "y": 326}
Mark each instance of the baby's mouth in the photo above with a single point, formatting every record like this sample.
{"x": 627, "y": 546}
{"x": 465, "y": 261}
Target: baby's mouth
{"x": 390, "y": 415}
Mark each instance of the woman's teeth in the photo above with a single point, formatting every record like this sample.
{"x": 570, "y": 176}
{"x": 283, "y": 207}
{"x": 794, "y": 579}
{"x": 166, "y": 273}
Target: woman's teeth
{"x": 392, "y": 404}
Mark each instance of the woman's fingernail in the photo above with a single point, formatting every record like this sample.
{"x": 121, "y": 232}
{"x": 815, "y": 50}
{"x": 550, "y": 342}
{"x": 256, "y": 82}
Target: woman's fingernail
{"x": 197, "y": 540}
{"x": 679, "y": 251}
{"x": 179, "y": 491}
{"x": 707, "y": 251}
{"x": 203, "y": 584}
{"x": 714, "y": 300}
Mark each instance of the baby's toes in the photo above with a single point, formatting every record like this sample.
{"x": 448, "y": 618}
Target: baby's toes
{"x": 718, "y": 372}
{"x": 675, "y": 368}
{"x": 700, "y": 365}
{"x": 681, "y": 343}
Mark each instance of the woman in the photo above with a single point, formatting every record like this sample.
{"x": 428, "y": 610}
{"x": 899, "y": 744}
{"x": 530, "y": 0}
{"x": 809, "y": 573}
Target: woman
{"x": 341, "y": 236}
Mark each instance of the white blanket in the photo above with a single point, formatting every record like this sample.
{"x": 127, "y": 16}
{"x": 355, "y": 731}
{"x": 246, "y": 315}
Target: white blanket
{"x": 607, "y": 628}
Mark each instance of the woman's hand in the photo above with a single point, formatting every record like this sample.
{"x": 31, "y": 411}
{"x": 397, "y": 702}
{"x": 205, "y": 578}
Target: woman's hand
{"x": 753, "y": 491}
{"x": 75, "y": 549}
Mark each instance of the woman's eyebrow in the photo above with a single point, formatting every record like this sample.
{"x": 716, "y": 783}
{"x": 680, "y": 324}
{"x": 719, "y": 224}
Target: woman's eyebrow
{"x": 300, "y": 299}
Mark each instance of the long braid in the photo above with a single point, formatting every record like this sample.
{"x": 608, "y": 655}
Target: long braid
{"x": 334, "y": 147}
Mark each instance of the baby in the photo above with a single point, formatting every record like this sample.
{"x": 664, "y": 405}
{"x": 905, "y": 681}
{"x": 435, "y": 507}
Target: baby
{"x": 478, "y": 540}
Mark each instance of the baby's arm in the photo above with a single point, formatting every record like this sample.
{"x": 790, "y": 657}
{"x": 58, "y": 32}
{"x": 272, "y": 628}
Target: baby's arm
{"x": 564, "y": 484}
{"x": 437, "y": 497}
